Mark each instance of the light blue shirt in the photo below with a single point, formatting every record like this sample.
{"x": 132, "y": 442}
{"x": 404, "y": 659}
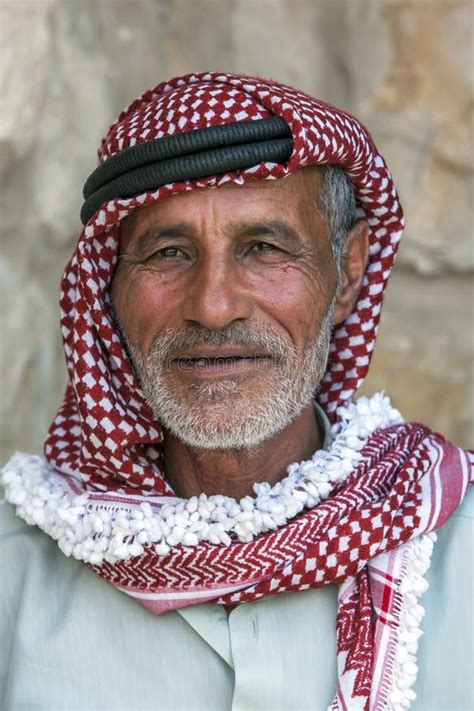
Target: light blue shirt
{"x": 69, "y": 640}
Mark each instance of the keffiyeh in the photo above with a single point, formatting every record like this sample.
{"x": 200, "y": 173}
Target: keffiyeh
{"x": 360, "y": 514}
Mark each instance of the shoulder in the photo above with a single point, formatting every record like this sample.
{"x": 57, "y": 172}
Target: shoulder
{"x": 456, "y": 536}
{"x": 11, "y": 525}
{"x": 23, "y": 548}
{"x": 446, "y": 649}
{"x": 454, "y": 549}
{"x": 466, "y": 508}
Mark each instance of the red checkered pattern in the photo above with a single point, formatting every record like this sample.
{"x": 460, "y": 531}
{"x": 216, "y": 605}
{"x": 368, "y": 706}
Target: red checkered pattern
{"x": 105, "y": 430}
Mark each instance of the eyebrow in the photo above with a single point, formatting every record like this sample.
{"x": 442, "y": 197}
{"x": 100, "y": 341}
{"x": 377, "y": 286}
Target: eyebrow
{"x": 284, "y": 232}
{"x": 153, "y": 234}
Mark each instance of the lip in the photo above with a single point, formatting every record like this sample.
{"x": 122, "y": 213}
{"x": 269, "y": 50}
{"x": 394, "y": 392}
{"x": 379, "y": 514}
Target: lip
{"x": 211, "y": 352}
{"x": 213, "y": 362}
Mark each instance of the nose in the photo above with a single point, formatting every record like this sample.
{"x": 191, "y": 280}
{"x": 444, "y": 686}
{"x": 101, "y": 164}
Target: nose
{"x": 216, "y": 296}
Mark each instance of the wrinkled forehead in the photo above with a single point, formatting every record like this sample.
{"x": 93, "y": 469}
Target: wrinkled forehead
{"x": 292, "y": 204}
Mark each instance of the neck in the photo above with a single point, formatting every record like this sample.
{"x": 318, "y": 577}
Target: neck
{"x": 233, "y": 472}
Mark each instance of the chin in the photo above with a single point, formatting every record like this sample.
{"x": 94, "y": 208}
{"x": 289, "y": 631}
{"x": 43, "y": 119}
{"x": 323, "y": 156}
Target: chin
{"x": 226, "y": 420}
{"x": 219, "y": 435}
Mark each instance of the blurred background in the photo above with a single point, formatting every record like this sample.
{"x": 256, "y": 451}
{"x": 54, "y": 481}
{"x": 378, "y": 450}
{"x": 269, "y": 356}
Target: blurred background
{"x": 403, "y": 67}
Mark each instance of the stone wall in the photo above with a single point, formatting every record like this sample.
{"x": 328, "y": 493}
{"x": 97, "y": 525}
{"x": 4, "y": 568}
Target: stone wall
{"x": 403, "y": 66}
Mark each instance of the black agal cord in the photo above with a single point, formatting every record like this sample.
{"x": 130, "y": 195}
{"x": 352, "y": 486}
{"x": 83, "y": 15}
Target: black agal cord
{"x": 186, "y": 156}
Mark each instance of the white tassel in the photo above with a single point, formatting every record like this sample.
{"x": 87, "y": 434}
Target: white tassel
{"x": 405, "y": 670}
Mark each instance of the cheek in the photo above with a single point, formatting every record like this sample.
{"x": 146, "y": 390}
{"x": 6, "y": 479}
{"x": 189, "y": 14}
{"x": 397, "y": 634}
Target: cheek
{"x": 297, "y": 298}
{"x": 145, "y": 304}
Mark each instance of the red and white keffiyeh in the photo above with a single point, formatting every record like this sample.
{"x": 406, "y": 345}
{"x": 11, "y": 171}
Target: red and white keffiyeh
{"x": 359, "y": 514}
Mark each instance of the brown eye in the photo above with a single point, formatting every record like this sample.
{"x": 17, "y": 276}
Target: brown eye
{"x": 170, "y": 252}
{"x": 263, "y": 247}
{"x": 167, "y": 253}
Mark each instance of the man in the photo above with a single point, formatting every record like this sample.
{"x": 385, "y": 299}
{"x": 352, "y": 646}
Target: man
{"x": 238, "y": 239}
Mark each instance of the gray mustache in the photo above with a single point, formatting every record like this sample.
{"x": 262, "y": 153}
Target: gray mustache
{"x": 170, "y": 343}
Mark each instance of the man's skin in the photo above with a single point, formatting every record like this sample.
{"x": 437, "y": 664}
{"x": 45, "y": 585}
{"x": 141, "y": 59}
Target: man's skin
{"x": 258, "y": 253}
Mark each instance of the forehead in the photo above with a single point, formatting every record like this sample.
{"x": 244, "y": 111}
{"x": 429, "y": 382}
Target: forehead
{"x": 294, "y": 198}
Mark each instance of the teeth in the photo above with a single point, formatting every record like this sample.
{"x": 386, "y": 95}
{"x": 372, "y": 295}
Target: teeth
{"x": 204, "y": 361}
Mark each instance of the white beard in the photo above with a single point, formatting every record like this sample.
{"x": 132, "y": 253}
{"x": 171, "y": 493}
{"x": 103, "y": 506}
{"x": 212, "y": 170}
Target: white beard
{"x": 232, "y": 413}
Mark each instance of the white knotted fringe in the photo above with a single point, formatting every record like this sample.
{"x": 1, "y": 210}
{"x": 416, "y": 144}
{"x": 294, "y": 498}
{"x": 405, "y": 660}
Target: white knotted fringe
{"x": 95, "y": 531}
{"x": 404, "y": 672}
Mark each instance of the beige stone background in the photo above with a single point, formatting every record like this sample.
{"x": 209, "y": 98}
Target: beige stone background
{"x": 404, "y": 67}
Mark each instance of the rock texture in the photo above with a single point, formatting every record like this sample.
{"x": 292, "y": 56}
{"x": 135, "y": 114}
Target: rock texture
{"x": 403, "y": 66}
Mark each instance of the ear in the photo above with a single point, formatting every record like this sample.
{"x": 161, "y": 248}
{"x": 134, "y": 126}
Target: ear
{"x": 352, "y": 270}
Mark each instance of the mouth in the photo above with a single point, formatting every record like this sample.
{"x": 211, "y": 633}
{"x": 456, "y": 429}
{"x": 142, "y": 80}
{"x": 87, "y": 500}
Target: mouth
{"x": 229, "y": 362}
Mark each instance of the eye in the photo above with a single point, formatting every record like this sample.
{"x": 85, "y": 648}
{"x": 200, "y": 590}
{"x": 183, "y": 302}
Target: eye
{"x": 264, "y": 248}
{"x": 266, "y": 252}
{"x": 171, "y": 252}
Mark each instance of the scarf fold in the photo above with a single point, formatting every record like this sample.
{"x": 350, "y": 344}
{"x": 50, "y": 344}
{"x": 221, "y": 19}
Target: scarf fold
{"x": 360, "y": 515}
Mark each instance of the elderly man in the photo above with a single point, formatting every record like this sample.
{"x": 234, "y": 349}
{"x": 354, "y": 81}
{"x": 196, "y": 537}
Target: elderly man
{"x": 218, "y": 315}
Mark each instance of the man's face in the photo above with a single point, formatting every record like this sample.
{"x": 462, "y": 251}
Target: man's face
{"x": 225, "y": 297}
